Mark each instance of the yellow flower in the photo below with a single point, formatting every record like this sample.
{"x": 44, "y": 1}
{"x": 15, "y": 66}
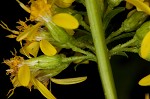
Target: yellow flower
{"x": 145, "y": 47}
{"x": 145, "y": 81}
{"x": 34, "y": 42}
{"x": 30, "y": 48}
{"x": 33, "y": 48}
{"x": 44, "y": 91}
{"x": 21, "y": 75}
{"x": 141, "y": 5}
{"x": 30, "y": 33}
{"x": 65, "y": 20}
{"x": 40, "y": 10}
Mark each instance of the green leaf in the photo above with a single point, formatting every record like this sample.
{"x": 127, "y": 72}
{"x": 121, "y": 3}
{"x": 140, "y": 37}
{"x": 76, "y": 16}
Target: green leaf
{"x": 110, "y": 15}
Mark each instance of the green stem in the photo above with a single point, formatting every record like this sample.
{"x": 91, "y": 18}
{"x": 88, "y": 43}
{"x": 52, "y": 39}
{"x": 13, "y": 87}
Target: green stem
{"x": 76, "y": 58}
{"x": 132, "y": 50}
{"x": 119, "y": 47}
{"x": 131, "y": 34}
{"x": 86, "y": 27}
{"x": 76, "y": 49}
{"x": 95, "y": 19}
{"x": 113, "y": 34}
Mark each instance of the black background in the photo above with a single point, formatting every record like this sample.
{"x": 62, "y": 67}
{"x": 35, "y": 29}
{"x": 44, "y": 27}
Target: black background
{"x": 127, "y": 71}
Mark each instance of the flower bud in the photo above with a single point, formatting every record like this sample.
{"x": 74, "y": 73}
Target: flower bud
{"x": 44, "y": 62}
{"x": 114, "y": 3}
{"x": 58, "y": 33}
{"x": 48, "y": 65}
{"x": 134, "y": 21}
{"x": 143, "y": 30}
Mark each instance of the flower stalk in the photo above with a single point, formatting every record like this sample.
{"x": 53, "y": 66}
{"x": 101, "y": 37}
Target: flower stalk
{"x": 95, "y": 19}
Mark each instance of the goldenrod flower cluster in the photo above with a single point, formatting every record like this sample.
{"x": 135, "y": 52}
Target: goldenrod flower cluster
{"x": 54, "y": 25}
{"x": 41, "y": 35}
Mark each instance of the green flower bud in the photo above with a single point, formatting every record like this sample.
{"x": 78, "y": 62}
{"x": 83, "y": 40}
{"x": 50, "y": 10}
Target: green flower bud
{"x": 44, "y": 62}
{"x": 47, "y": 66}
{"x": 58, "y": 33}
{"x": 143, "y": 30}
{"x": 134, "y": 21}
{"x": 114, "y": 3}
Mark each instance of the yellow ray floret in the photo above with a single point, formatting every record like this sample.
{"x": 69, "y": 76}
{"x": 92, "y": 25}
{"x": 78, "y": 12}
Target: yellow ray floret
{"x": 29, "y": 32}
{"x": 147, "y": 3}
{"x": 69, "y": 81}
{"x": 140, "y": 5}
{"x": 65, "y": 20}
{"x": 24, "y": 75}
{"x": 45, "y": 92}
{"x": 145, "y": 46}
{"x": 33, "y": 48}
{"x": 145, "y": 81}
{"x": 47, "y": 48}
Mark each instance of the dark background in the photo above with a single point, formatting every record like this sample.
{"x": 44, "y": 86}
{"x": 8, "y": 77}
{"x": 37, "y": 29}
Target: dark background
{"x": 127, "y": 71}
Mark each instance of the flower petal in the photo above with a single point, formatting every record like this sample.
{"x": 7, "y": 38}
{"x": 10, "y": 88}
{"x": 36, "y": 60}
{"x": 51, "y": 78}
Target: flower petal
{"x": 140, "y": 5}
{"x": 65, "y": 20}
{"x": 33, "y": 48}
{"x": 24, "y": 52}
{"x": 23, "y": 6}
{"x": 69, "y": 81}
{"x": 47, "y": 48}
{"x": 22, "y": 36}
{"x": 145, "y": 46}
{"x": 145, "y": 81}
{"x": 29, "y": 31}
{"x": 138, "y": 9}
{"x": 44, "y": 91}
{"x": 15, "y": 82}
{"x": 24, "y": 75}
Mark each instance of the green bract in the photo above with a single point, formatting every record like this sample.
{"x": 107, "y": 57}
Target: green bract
{"x": 134, "y": 21}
